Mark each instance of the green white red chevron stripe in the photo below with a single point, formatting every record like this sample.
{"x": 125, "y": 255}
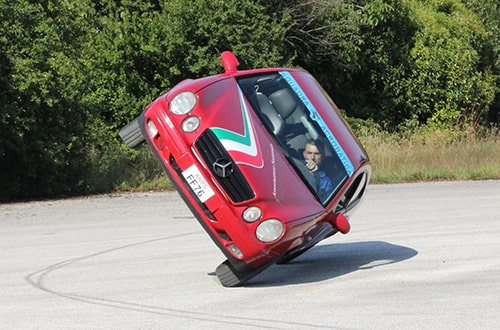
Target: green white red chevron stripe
{"x": 243, "y": 148}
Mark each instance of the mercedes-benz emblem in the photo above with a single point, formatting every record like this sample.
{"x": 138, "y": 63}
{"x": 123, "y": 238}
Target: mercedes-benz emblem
{"x": 223, "y": 167}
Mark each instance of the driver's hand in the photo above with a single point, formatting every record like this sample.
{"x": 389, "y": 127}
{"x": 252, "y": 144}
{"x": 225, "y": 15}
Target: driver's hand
{"x": 311, "y": 165}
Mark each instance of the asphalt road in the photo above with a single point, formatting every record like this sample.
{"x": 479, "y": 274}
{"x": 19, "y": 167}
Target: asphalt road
{"x": 419, "y": 256}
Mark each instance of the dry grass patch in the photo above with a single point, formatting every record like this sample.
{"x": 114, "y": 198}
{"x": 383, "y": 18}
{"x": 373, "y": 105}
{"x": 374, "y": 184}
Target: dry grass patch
{"x": 434, "y": 154}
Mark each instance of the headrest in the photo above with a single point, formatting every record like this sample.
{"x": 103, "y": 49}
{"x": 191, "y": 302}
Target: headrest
{"x": 284, "y": 102}
{"x": 270, "y": 114}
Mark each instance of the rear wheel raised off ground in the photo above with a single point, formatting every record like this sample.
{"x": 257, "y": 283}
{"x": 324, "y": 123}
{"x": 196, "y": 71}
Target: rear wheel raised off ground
{"x": 131, "y": 134}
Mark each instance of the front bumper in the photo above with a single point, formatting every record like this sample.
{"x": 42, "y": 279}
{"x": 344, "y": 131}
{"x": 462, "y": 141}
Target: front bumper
{"x": 219, "y": 215}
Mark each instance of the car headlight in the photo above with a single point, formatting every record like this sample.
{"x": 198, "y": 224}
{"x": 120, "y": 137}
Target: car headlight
{"x": 269, "y": 230}
{"x": 153, "y": 131}
{"x": 183, "y": 103}
{"x": 252, "y": 214}
{"x": 190, "y": 124}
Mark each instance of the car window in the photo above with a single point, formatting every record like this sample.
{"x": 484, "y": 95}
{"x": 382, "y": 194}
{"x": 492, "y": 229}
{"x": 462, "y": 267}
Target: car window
{"x": 296, "y": 126}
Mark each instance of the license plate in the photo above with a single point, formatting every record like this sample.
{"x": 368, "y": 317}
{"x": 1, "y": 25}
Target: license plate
{"x": 197, "y": 183}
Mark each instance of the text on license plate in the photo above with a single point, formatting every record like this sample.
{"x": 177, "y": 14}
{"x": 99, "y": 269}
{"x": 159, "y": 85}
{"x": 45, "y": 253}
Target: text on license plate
{"x": 197, "y": 183}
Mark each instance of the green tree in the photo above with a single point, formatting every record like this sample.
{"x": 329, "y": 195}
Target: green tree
{"x": 74, "y": 72}
{"x": 199, "y": 31}
{"x": 142, "y": 49}
{"x": 488, "y": 12}
{"x": 418, "y": 61}
{"x": 323, "y": 37}
{"x": 41, "y": 121}
{"x": 448, "y": 83}
{"x": 373, "y": 86}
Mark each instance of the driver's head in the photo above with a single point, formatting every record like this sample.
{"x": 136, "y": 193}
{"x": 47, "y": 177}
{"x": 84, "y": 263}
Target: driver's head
{"x": 313, "y": 151}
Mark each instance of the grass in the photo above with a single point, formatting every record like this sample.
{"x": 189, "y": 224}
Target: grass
{"x": 138, "y": 170}
{"x": 158, "y": 183}
{"x": 429, "y": 154}
{"x": 416, "y": 155}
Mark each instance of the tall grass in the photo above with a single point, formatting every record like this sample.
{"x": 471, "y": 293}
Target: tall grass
{"x": 412, "y": 155}
{"x": 425, "y": 154}
{"x": 139, "y": 170}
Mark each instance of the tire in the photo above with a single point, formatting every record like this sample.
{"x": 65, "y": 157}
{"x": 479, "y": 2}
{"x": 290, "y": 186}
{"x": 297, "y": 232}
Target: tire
{"x": 230, "y": 277}
{"x": 131, "y": 134}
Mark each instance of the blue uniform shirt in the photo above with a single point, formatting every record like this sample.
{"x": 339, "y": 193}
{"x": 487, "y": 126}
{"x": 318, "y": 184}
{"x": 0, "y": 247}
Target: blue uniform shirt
{"x": 325, "y": 186}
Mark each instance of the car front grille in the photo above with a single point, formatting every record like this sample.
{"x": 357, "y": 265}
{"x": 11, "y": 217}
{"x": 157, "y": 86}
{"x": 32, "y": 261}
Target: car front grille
{"x": 232, "y": 181}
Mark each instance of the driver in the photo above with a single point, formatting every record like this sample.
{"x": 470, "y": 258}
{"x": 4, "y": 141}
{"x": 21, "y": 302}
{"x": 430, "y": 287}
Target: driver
{"x": 313, "y": 154}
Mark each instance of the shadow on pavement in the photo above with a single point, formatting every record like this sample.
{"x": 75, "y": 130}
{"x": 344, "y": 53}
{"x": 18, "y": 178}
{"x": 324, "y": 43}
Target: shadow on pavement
{"x": 333, "y": 260}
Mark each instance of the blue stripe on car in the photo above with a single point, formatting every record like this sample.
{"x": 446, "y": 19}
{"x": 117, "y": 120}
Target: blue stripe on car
{"x": 317, "y": 118}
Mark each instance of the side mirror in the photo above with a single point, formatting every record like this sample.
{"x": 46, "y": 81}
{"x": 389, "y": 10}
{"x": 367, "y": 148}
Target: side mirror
{"x": 229, "y": 61}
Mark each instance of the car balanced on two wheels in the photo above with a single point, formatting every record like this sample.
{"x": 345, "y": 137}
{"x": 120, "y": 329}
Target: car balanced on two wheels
{"x": 236, "y": 147}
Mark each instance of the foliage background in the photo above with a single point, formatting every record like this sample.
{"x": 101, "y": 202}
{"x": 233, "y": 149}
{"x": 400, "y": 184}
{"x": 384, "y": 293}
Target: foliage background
{"x": 73, "y": 72}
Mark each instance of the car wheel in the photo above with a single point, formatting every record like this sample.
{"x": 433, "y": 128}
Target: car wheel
{"x": 131, "y": 134}
{"x": 230, "y": 277}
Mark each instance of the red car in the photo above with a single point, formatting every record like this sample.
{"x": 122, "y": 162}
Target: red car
{"x": 262, "y": 157}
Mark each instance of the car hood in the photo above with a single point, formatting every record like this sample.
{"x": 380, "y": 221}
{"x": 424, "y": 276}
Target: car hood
{"x": 278, "y": 188}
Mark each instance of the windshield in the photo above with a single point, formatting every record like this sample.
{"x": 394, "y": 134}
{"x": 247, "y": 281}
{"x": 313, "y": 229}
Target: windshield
{"x": 303, "y": 136}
